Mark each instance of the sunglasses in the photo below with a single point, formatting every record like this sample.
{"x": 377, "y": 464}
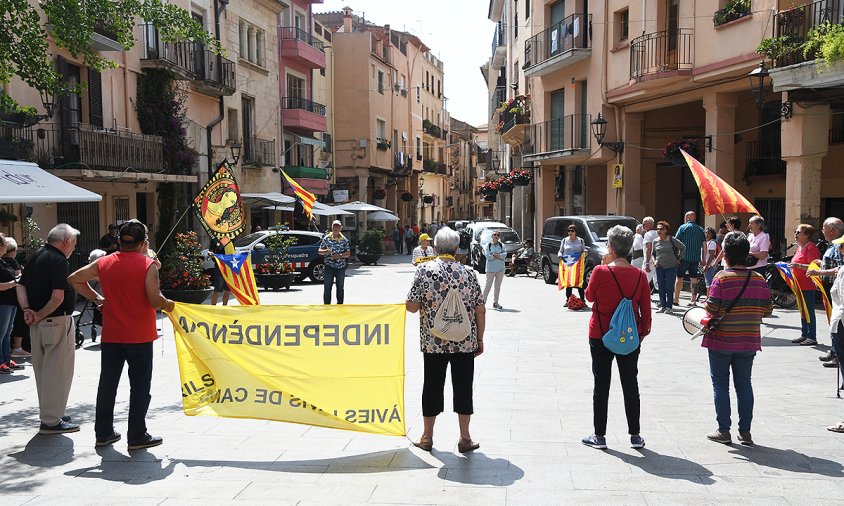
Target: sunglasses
{"x": 660, "y": 228}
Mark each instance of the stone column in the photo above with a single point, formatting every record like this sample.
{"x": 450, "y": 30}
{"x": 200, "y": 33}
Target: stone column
{"x": 544, "y": 196}
{"x": 805, "y": 140}
{"x": 720, "y": 117}
{"x": 631, "y": 190}
{"x": 568, "y": 190}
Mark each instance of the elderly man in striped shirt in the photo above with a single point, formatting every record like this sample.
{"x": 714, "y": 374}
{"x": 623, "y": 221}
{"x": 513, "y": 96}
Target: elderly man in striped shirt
{"x": 691, "y": 234}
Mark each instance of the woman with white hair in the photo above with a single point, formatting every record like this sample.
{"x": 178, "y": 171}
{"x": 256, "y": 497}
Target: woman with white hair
{"x": 431, "y": 284}
{"x": 760, "y": 243}
{"x": 638, "y": 250}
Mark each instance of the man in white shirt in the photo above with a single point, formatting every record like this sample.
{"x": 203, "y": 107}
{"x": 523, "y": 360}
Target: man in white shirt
{"x": 650, "y": 235}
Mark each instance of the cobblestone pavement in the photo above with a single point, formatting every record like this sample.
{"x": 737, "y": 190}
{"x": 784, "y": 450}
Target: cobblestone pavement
{"x": 532, "y": 405}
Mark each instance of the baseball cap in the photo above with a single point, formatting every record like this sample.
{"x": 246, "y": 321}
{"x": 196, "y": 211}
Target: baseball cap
{"x": 424, "y": 237}
{"x": 336, "y": 222}
{"x": 132, "y": 232}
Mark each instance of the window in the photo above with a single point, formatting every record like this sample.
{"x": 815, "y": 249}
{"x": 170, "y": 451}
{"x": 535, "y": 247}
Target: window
{"x": 418, "y": 94}
{"x": 295, "y": 87}
{"x": 380, "y": 82}
{"x": 418, "y": 148}
{"x": 426, "y": 80}
{"x": 527, "y": 9}
{"x": 515, "y": 19}
{"x": 233, "y": 127}
{"x": 439, "y": 89}
{"x": 252, "y": 43}
{"x": 622, "y": 22}
{"x": 380, "y": 129}
{"x": 247, "y": 111}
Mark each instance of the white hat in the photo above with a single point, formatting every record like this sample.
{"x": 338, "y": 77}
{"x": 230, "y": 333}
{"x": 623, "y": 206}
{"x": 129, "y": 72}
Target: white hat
{"x": 336, "y": 222}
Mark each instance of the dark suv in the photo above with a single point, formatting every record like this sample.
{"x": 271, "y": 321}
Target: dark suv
{"x": 593, "y": 231}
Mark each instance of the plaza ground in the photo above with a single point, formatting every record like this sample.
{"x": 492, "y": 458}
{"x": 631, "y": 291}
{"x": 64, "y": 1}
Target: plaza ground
{"x": 533, "y": 391}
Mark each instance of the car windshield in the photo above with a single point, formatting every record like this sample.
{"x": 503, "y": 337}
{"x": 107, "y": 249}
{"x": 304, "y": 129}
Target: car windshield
{"x": 246, "y": 240}
{"x": 599, "y": 228}
{"x": 507, "y": 236}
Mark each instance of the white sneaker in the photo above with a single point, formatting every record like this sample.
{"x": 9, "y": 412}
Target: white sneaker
{"x": 20, "y": 353}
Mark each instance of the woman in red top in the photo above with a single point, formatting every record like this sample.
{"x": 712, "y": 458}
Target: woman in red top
{"x": 603, "y": 292}
{"x": 807, "y": 252}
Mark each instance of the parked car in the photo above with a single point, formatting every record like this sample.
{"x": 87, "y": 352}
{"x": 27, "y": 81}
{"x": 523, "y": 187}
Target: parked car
{"x": 482, "y": 236}
{"x": 302, "y": 254}
{"x": 593, "y": 231}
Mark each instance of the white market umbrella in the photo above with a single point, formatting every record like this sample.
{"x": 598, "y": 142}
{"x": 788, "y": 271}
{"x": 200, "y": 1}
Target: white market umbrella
{"x": 360, "y": 206}
{"x": 382, "y": 216}
{"x": 318, "y": 209}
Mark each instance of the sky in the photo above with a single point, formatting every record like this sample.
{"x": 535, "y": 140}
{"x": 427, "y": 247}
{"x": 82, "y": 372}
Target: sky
{"x": 458, "y": 33}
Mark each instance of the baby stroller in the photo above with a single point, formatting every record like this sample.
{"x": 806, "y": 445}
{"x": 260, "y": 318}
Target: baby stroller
{"x": 90, "y": 314}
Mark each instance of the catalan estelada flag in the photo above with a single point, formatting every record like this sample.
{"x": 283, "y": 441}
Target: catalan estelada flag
{"x": 307, "y": 197}
{"x": 237, "y": 271}
{"x": 816, "y": 265}
{"x": 570, "y": 274}
{"x": 717, "y": 196}
{"x": 788, "y": 277}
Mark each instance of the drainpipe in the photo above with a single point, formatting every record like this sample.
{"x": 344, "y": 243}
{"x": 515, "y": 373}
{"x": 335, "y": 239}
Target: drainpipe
{"x": 216, "y": 121}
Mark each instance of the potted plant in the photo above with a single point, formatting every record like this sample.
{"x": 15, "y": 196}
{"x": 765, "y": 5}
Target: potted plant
{"x": 275, "y": 272}
{"x": 490, "y": 188}
{"x": 383, "y": 144}
{"x": 673, "y": 154}
{"x": 407, "y": 196}
{"x": 379, "y": 194}
{"x": 733, "y": 10}
{"x": 181, "y": 273}
{"x": 505, "y": 184}
{"x": 369, "y": 246}
{"x": 490, "y": 197}
{"x": 6, "y": 217}
{"x": 520, "y": 177}
{"x": 427, "y": 199}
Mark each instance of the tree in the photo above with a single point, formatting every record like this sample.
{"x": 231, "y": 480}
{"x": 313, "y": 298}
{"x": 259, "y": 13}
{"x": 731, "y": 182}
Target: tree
{"x": 24, "y": 50}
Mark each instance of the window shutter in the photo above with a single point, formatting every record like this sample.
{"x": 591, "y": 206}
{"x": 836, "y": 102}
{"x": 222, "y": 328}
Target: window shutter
{"x": 95, "y": 98}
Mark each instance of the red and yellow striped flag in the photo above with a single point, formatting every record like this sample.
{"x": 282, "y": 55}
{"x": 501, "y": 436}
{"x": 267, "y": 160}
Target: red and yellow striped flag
{"x": 570, "y": 273}
{"x": 307, "y": 197}
{"x": 717, "y": 196}
{"x": 818, "y": 281}
{"x": 237, "y": 272}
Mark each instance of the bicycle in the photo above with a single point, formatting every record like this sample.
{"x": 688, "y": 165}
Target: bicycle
{"x": 781, "y": 294}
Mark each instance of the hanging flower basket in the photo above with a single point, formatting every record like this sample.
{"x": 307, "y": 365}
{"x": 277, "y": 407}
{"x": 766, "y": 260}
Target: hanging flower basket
{"x": 379, "y": 194}
{"x": 490, "y": 197}
{"x": 427, "y": 199}
{"x": 520, "y": 177}
{"x": 489, "y": 188}
{"x": 505, "y": 184}
{"x": 672, "y": 151}
{"x": 406, "y": 196}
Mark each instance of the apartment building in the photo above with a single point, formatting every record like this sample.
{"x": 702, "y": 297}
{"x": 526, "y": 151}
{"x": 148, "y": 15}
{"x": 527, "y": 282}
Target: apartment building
{"x": 463, "y": 160}
{"x": 389, "y": 118}
{"x": 662, "y": 71}
{"x": 323, "y": 93}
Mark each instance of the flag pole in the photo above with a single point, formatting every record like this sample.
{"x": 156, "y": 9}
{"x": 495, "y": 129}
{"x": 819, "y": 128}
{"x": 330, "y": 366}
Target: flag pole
{"x": 169, "y": 235}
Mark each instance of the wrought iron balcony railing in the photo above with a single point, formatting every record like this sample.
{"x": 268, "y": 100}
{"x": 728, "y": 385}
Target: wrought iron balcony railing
{"x": 258, "y": 151}
{"x": 663, "y": 51}
{"x": 291, "y": 32}
{"x": 570, "y": 33}
{"x": 793, "y": 26}
{"x": 302, "y": 104}
{"x": 569, "y": 133}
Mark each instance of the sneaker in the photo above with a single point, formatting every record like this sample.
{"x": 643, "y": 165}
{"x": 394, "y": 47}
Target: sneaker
{"x": 146, "y": 442}
{"x": 14, "y": 365}
{"x": 808, "y": 342}
{"x": 60, "y": 428}
{"x": 4, "y": 369}
{"x": 497, "y": 305}
{"x": 20, "y": 353}
{"x": 637, "y": 441}
{"x": 720, "y": 437}
{"x": 599, "y": 442}
{"x": 66, "y": 418}
{"x": 823, "y": 358}
{"x": 660, "y": 310}
{"x": 113, "y": 438}
{"x": 831, "y": 363}
{"x": 798, "y": 340}
{"x": 745, "y": 438}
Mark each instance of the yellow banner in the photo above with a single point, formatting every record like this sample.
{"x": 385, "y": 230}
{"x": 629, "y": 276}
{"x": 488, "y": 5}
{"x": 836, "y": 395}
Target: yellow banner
{"x": 339, "y": 366}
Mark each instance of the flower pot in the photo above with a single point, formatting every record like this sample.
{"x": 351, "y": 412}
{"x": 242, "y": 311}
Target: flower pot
{"x": 368, "y": 258}
{"x": 276, "y": 282}
{"x": 407, "y": 196}
{"x": 491, "y": 197}
{"x": 505, "y": 189}
{"x": 490, "y": 193}
{"x": 521, "y": 182}
{"x": 188, "y": 296}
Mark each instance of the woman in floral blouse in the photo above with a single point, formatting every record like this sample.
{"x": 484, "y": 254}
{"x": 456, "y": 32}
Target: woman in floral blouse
{"x": 430, "y": 287}
{"x": 335, "y": 248}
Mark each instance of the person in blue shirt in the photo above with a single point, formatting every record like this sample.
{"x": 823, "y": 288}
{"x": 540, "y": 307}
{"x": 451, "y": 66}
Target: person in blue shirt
{"x": 495, "y": 255}
{"x": 335, "y": 248}
{"x": 572, "y": 245}
{"x": 692, "y": 235}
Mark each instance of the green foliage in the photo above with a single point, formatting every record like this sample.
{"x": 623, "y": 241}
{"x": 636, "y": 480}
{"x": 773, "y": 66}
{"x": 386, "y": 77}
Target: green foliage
{"x": 778, "y": 47}
{"x": 181, "y": 266}
{"x": 277, "y": 247}
{"x": 734, "y": 9}
{"x": 369, "y": 242}
{"x": 24, "y": 50}
{"x": 825, "y": 42}
{"x": 7, "y": 216}
{"x": 31, "y": 243}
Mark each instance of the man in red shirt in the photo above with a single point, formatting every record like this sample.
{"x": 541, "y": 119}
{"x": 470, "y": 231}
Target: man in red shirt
{"x": 131, "y": 291}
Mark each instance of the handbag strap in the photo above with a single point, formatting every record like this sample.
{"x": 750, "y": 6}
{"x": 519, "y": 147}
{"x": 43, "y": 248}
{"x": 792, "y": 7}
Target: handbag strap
{"x": 737, "y": 297}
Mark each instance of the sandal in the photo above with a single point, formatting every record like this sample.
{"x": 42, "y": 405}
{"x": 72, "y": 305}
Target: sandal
{"x": 425, "y": 443}
{"x": 808, "y": 342}
{"x": 839, "y": 427}
{"x": 467, "y": 445}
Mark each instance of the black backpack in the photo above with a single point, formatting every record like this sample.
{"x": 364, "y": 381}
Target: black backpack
{"x": 465, "y": 238}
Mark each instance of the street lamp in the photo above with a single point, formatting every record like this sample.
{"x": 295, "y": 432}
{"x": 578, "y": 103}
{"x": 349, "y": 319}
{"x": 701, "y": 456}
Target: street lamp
{"x": 48, "y": 100}
{"x": 757, "y": 78}
{"x": 496, "y": 163}
{"x": 235, "y": 148}
{"x": 599, "y": 129}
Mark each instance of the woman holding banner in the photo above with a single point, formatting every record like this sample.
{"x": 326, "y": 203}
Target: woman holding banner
{"x": 806, "y": 253}
{"x": 572, "y": 245}
{"x": 428, "y": 293}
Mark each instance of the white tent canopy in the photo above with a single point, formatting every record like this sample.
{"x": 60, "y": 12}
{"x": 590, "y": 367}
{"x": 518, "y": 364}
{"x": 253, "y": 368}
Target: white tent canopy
{"x": 360, "y": 206}
{"x": 318, "y": 209}
{"x": 27, "y": 183}
{"x": 267, "y": 198}
{"x": 382, "y": 216}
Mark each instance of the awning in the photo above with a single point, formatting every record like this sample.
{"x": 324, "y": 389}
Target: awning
{"x": 27, "y": 183}
{"x": 310, "y": 141}
{"x": 266, "y": 198}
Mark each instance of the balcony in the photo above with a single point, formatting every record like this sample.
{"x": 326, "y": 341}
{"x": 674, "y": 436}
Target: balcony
{"x": 432, "y": 130}
{"x": 402, "y": 164}
{"x": 498, "y": 95}
{"x": 499, "y": 45}
{"x": 103, "y": 39}
{"x": 302, "y": 115}
{"x": 88, "y": 147}
{"x": 735, "y": 9}
{"x": 382, "y": 144}
{"x": 434, "y": 167}
{"x": 302, "y": 172}
{"x": 661, "y": 54}
{"x": 215, "y": 76}
{"x": 514, "y": 121}
{"x": 301, "y": 47}
{"x": 763, "y": 159}
{"x": 258, "y": 152}
{"x": 793, "y": 26}
{"x": 313, "y": 179}
{"x": 565, "y": 140}
{"x": 174, "y": 57}
{"x": 559, "y": 46}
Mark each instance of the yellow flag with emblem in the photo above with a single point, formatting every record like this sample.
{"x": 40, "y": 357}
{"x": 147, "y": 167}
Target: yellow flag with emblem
{"x": 329, "y": 366}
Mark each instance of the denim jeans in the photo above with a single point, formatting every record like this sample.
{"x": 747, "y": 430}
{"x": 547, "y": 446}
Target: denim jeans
{"x": 741, "y": 363}
{"x": 332, "y": 274}
{"x": 112, "y": 358}
{"x": 665, "y": 278}
{"x": 7, "y": 321}
{"x": 709, "y": 275}
{"x": 809, "y": 328}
